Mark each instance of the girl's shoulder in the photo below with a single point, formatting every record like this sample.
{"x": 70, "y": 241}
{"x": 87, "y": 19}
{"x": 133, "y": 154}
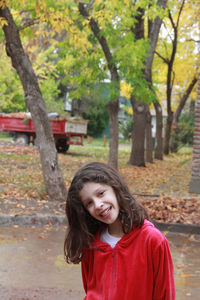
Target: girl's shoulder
{"x": 145, "y": 233}
{"x": 151, "y": 233}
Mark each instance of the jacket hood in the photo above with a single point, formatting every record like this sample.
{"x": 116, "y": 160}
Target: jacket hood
{"x": 125, "y": 241}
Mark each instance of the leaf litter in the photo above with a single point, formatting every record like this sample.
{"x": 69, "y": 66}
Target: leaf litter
{"x": 162, "y": 187}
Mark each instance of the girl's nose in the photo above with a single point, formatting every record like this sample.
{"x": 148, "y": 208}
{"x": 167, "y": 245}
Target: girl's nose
{"x": 98, "y": 204}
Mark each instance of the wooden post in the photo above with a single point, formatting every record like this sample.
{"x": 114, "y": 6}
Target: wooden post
{"x": 89, "y": 138}
{"x": 195, "y": 177}
{"x": 104, "y": 140}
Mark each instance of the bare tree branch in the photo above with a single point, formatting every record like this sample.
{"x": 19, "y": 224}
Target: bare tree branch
{"x": 163, "y": 58}
{"x": 29, "y": 23}
{"x": 184, "y": 99}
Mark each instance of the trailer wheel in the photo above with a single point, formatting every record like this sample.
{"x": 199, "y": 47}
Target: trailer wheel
{"x": 62, "y": 146}
{"x": 35, "y": 144}
{"x": 22, "y": 139}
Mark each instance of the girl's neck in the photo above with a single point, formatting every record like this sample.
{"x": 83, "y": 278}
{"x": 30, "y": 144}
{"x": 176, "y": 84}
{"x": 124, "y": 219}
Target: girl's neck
{"x": 115, "y": 229}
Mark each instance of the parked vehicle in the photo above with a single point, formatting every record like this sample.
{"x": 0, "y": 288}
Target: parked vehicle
{"x": 66, "y": 131}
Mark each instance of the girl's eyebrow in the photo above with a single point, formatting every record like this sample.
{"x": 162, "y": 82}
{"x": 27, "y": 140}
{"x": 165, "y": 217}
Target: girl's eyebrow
{"x": 99, "y": 189}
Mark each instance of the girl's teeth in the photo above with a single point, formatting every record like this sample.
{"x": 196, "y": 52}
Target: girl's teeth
{"x": 105, "y": 213}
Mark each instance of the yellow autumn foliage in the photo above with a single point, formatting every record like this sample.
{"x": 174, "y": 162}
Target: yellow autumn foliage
{"x": 129, "y": 110}
{"x": 3, "y": 22}
{"x": 3, "y": 3}
{"x": 126, "y": 89}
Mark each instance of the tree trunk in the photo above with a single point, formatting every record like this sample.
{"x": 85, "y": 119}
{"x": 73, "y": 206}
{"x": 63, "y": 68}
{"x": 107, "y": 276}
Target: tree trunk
{"x": 138, "y": 136}
{"x": 159, "y": 128}
{"x": 149, "y": 143}
{"x": 113, "y": 105}
{"x": 195, "y": 177}
{"x": 168, "y": 133}
{"x": 51, "y": 172}
{"x": 113, "y": 109}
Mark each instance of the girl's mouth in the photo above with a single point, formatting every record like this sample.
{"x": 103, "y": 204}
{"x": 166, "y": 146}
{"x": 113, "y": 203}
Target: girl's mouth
{"x": 106, "y": 212}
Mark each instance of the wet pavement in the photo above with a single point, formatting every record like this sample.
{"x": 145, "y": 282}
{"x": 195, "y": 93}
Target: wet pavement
{"x": 32, "y": 265}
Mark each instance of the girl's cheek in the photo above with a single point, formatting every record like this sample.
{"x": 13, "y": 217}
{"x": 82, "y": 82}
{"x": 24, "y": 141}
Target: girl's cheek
{"x": 91, "y": 212}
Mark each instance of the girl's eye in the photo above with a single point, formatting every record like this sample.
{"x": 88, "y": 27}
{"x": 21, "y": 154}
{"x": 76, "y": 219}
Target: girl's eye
{"x": 89, "y": 203}
{"x": 101, "y": 193}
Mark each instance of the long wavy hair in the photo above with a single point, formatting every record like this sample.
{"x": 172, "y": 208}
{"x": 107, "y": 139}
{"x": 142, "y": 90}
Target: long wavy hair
{"x": 82, "y": 227}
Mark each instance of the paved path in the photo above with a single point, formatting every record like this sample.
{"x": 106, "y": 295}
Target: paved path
{"x": 32, "y": 265}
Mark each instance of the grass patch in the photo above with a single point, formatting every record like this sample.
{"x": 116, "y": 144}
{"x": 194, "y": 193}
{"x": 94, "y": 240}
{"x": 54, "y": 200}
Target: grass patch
{"x": 5, "y": 136}
{"x": 182, "y": 163}
{"x": 100, "y": 142}
{"x": 17, "y": 157}
{"x": 184, "y": 151}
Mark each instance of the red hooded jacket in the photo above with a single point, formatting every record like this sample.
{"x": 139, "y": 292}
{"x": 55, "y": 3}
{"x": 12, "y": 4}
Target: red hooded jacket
{"x": 138, "y": 268}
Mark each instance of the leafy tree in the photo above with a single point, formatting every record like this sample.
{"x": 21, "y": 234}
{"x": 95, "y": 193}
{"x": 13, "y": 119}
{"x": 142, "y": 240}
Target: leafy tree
{"x": 43, "y": 60}
{"x": 12, "y": 97}
{"x": 96, "y": 48}
{"x": 34, "y": 101}
{"x": 99, "y": 49}
{"x": 93, "y": 46}
{"x": 178, "y": 51}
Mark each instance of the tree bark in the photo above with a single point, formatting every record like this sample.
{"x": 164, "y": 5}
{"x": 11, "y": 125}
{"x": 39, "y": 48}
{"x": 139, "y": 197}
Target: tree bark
{"x": 149, "y": 142}
{"x": 168, "y": 133}
{"x": 159, "y": 128}
{"x": 113, "y": 108}
{"x": 137, "y": 157}
{"x": 138, "y": 136}
{"x": 54, "y": 182}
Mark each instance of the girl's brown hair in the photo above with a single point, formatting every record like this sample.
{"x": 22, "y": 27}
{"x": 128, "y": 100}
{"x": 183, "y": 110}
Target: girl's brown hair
{"x": 81, "y": 226}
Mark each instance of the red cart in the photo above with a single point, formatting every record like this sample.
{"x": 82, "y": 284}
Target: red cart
{"x": 66, "y": 131}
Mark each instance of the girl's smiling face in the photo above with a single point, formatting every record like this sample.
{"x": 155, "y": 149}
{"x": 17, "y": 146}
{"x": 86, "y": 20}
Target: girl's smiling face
{"x": 101, "y": 203}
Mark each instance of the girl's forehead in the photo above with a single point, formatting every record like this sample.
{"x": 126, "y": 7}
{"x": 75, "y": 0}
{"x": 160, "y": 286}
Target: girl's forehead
{"x": 93, "y": 185}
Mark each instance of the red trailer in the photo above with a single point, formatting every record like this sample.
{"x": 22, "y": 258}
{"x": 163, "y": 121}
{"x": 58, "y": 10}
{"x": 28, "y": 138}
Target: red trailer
{"x": 66, "y": 131}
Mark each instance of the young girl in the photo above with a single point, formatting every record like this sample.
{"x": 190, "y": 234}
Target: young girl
{"x": 123, "y": 256}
